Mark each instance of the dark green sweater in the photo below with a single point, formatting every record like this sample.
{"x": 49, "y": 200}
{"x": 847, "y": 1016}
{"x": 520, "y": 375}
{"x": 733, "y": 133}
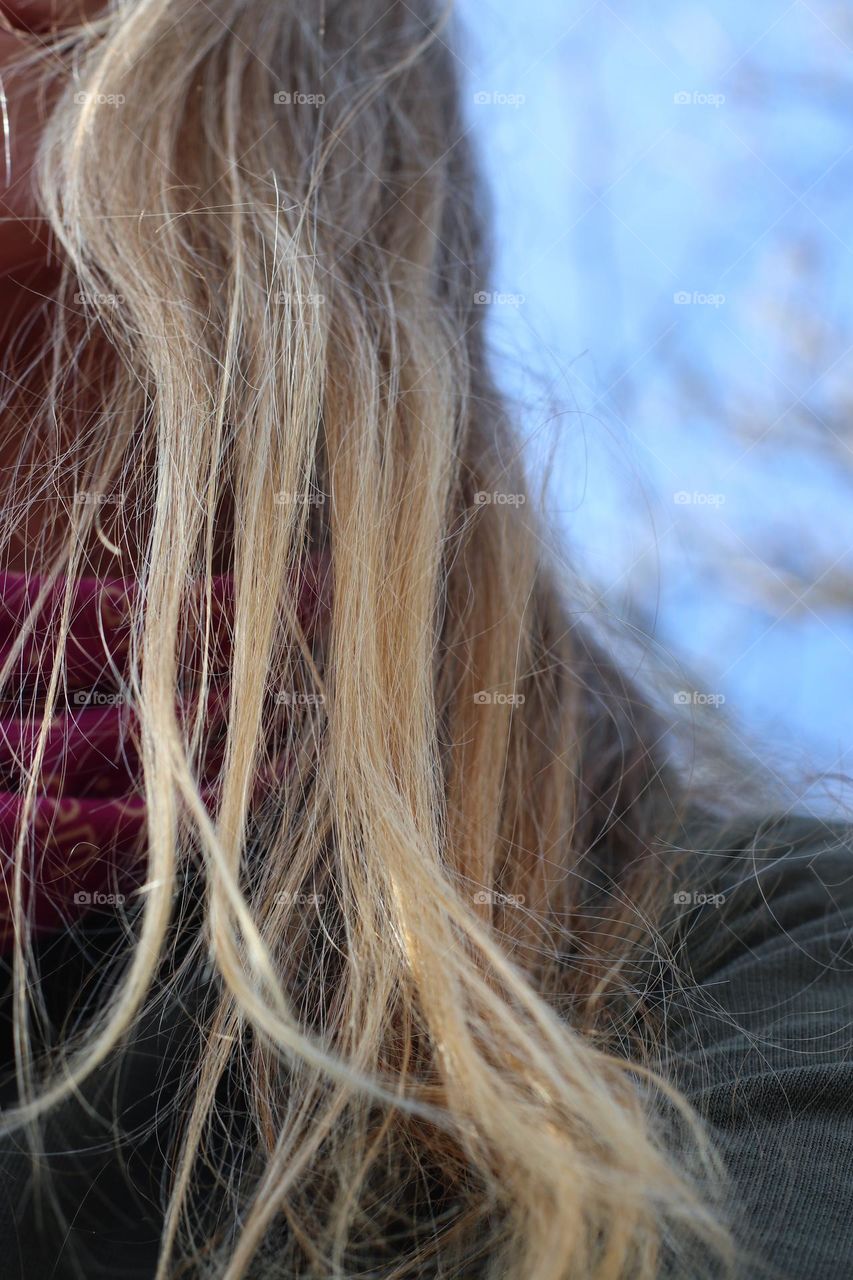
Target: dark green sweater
{"x": 762, "y": 1040}
{"x": 759, "y": 1034}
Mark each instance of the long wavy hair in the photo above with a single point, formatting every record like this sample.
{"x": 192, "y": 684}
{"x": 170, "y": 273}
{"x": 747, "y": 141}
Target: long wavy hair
{"x": 422, "y": 1046}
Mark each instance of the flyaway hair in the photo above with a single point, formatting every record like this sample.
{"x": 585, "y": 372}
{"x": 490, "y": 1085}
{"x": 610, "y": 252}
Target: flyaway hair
{"x": 413, "y": 952}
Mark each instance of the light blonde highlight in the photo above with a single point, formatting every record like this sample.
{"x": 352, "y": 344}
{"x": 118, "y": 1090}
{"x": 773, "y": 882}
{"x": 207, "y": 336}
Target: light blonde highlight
{"x": 297, "y": 317}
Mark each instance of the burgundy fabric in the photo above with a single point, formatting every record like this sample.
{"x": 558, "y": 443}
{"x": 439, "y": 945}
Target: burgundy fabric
{"x": 85, "y": 844}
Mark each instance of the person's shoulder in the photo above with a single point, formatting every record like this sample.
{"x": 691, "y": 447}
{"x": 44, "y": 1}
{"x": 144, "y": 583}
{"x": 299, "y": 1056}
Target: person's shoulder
{"x": 759, "y": 1031}
{"x": 749, "y": 890}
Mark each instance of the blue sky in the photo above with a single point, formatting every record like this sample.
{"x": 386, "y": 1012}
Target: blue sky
{"x": 672, "y": 196}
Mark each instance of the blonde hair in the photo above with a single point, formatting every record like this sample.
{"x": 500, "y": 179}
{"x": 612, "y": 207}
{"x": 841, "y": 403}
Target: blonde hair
{"x": 420, "y": 952}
